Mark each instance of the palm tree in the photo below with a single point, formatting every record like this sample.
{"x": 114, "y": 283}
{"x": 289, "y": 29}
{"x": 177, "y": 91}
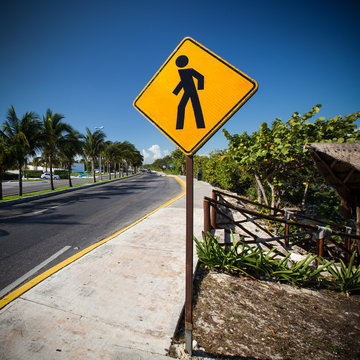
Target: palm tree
{"x": 70, "y": 145}
{"x": 118, "y": 156}
{"x": 111, "y": 155}
{"x": 107, "y": 150}
{"x": 6, "y": 159}
{"x": 37, "y": 161}
{"x": 137, "y": 159}
{"x": 93, "y": 143}
{"x": 23, "y": 136}
{"x": 128, "y": 152}
{"x": 53, "y": 131}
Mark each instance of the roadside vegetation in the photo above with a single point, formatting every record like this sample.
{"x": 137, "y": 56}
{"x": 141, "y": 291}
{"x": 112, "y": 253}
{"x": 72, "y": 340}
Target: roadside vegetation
{"x": 243, "y": 259}
{"x": 271, "y": 165}
{"x": 250, "y": 303}
{"x": 51, "y": 142}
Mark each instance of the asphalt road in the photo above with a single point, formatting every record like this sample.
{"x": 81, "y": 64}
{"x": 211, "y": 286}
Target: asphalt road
{"x": 11, "y": 187}
{"x": 62, "y": 225}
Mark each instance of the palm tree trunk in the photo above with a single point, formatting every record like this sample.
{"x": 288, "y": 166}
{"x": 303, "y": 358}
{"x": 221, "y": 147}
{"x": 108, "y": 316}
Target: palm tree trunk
{"x": 93, "y": 168}
{"x": 51, "y": 173}
{"x": 20, "y": 181}
{"x": 1, "y": 179}
{"x": 69, "y": 174}
{"x": 109, "y": 170}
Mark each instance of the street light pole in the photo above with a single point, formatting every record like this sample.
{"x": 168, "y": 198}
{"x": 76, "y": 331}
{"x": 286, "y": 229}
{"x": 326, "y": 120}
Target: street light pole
{"x": 99, "y": 128}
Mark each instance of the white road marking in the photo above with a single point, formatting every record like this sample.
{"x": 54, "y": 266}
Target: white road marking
{"x": 38, "y": 212}
{"x": 32, "y": 272}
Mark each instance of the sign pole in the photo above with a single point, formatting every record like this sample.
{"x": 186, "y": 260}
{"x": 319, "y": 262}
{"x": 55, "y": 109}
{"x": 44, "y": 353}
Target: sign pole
{"x": 189, "y": 69}
{"x": 189, "y": 253}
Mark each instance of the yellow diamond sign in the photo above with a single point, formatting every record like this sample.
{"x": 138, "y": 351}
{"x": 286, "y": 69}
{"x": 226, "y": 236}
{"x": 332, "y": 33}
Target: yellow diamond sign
{"x": 193, "y": 94}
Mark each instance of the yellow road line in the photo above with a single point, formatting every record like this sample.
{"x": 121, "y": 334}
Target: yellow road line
{"x": 22, "y": 289}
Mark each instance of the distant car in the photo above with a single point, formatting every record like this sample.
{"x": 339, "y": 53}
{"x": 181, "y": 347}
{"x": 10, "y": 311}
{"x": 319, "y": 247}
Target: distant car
{"x": 82, "y": 175}
{"x": 47, "y": 176}
{"x": 148, "y": 171}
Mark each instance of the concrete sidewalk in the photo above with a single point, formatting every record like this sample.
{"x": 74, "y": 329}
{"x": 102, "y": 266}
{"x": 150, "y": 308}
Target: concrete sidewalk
{"x": 120, "y": 301}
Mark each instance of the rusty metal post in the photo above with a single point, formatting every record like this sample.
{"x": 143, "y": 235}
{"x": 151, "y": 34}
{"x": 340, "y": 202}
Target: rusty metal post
{"x": 347, "y": 244}
{"x": 213, "y": 211}
{"x": 322, "y": 234}
{"x": 189, "y": 252}
{"x": 287, "y": 216}
{"x": 207, "y": 226}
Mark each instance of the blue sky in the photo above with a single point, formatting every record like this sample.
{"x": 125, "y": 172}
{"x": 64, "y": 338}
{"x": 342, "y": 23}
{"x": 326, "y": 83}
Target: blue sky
{"x": 90, "y": 59}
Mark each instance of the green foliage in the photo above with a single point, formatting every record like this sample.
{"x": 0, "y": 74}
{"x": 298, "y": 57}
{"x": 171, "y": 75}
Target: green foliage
{"x": 278, "y": 156}
{"x": 347, "y": 278}
{"x": 200, "y": 163}
{"x": 23, "y": 137}
{"x": 223, "y": 171}
{"x": 300, "y": 273}
{"x": 179, "y": 160}
{"x": 117, "y": 154}
{"x": 32, "y": 174}
{"x": 10, "y": 176}
{"x": 251, "y": 261}
{"x": 325, "y": 205}
{"x": 159, "y": 164}
{"x": 62, "y": 173}
{"x": 240, "y": 258}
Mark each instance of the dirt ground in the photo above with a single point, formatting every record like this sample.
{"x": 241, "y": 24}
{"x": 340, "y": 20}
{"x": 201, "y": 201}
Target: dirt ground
{"x": 239, "y": 318}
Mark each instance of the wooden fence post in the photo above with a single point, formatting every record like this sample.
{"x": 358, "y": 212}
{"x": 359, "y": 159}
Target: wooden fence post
{"x": 287, "y": 216}
{"x": 213, "y": 211}
{"x": 206, "y": 206}
{"x": 323, "y": 233}
{"x": 347, "y": 244}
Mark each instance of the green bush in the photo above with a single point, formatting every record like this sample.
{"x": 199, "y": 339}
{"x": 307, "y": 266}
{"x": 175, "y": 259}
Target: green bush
{"x": 299, "y": 274}
{"x": 62, "y": 173}
{"x": 31, "y": 174}
{"x": 238, "y": 258}
{"x": 346, "y": 278}
{"x": 222, "y": 171}
{"x": 10, "y": 176}
{"x": 244, "y": 259}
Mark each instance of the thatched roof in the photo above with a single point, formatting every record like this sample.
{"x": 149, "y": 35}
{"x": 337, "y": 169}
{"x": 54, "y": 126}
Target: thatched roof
{"x": 340, "y": 166}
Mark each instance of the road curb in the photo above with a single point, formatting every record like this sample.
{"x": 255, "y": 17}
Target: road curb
{"x": 58, "y": 192}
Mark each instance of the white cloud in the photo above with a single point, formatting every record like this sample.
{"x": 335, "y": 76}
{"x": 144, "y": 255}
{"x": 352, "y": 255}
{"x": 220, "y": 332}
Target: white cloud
{"x": 155, "y": 149}
{"x": 154, "y": 152}
{"x": 146, "y": 156}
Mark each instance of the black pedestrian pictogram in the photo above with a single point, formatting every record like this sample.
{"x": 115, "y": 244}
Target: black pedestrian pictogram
{"x": 190, "y": 92}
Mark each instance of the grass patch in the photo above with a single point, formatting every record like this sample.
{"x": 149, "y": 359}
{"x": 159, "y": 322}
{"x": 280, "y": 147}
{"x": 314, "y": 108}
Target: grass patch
{"x": 35, "y": 193}
{"x": 41, "y": 192}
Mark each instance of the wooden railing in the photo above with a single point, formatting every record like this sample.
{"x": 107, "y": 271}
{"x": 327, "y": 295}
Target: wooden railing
{"x": 285, "y": 227}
